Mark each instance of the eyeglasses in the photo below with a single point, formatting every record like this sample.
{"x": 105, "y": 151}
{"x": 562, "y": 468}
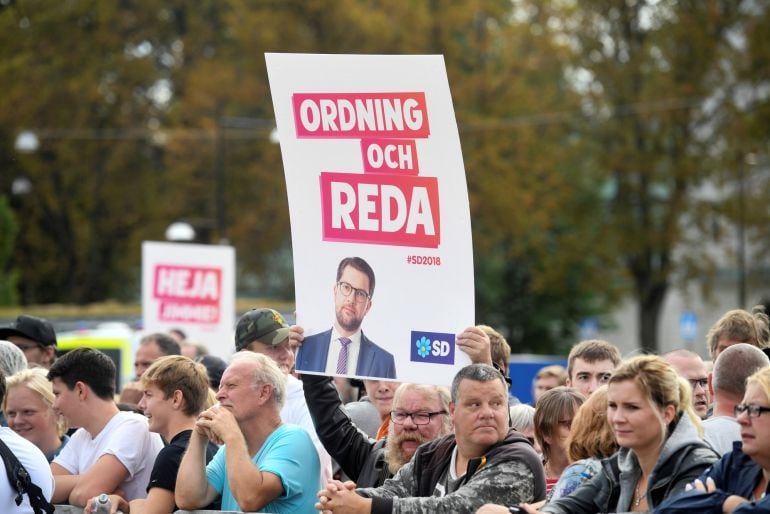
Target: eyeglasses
{"x": 418, "y": 418}
{"x": 695, "y": 382}
{"x": 346, "y": 289}
{"x": 25, "y": 347}
{"x": 753, "y": 410}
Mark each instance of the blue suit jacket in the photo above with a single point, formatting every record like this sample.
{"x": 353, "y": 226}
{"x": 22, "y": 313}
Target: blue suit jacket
{"x": 373, "y": 361}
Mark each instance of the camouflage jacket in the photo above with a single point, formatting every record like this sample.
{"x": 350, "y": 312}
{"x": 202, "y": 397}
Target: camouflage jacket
{"x": 508, "y": 474}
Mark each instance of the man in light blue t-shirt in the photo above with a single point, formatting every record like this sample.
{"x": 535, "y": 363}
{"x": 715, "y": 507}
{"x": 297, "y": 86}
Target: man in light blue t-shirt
{"x": 277, "y": 465}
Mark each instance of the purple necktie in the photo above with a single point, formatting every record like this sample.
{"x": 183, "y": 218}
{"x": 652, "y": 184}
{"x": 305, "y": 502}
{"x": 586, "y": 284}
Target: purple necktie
{"x": 342, "y": 362}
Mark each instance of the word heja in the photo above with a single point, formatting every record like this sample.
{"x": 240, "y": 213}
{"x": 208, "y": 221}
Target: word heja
{"x": 388, "y": 203}
{"x": 187, "y": 293}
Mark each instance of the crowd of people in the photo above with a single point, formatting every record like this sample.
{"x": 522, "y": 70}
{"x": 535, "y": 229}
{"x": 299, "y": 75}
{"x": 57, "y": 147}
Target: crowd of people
{"x": 669, "y": 433}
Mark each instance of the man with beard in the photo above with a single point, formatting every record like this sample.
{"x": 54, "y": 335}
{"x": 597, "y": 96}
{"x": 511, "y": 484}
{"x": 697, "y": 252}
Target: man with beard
{"x": 482, "y": 461}
{"x": 344, "y": 349}
{"x": 419, "y": 413}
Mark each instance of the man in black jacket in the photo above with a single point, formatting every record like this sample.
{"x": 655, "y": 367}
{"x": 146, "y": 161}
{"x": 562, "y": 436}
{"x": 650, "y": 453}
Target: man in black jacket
{"x": 483, "y": 461}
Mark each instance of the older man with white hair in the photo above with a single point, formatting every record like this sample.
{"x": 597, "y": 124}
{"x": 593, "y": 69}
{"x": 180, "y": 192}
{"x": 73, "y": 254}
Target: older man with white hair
{"x": 264, "y": 464}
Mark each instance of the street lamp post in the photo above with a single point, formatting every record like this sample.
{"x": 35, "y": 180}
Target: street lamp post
{"x": 219, "y": 174}
{"x": 749, "y": 160}
{"x": 220, "y": 153}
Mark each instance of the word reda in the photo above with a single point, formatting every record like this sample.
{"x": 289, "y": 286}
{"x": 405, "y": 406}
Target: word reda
{"x": 380, "y": 209}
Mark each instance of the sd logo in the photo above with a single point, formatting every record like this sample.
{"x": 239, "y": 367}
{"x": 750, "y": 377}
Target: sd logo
{"x": 432, "y": 347}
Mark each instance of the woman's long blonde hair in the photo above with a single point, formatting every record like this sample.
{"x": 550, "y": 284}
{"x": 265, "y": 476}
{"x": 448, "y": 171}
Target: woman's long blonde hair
{"x": 662, "y": 386}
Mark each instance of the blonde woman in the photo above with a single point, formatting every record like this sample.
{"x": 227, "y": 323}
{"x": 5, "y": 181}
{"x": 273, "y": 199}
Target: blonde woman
{"x": 661, "y": 451}
{"x": 28, "y": 408}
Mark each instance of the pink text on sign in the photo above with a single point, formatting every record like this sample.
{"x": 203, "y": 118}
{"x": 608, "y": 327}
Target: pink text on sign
{"x": 387, "y": 209}
{"x": 358, "y": 115}
{"x": 390, "y": 155}
{"x": 187, "y": 293}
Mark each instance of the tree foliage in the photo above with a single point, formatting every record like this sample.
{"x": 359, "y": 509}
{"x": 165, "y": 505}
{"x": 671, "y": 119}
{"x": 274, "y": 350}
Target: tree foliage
{"x": 658, "y": 83}
{"x": 8, "y": 276}
{"x": 586, "y": 127}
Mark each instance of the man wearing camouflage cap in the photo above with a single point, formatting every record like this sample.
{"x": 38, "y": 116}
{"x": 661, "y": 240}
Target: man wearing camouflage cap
{"x": 265, "y": 331}
{"x": 35, "y": 337}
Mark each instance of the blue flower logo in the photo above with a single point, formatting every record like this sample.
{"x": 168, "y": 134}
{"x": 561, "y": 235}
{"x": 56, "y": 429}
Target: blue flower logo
{"x": 423, "y": 346}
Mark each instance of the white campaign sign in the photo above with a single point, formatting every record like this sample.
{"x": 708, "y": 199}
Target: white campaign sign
{"x": 192, "y": 287}
{"x": 374, "y": 171}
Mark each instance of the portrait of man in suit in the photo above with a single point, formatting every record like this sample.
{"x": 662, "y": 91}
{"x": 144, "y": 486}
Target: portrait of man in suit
{"x": 344, "y": 349}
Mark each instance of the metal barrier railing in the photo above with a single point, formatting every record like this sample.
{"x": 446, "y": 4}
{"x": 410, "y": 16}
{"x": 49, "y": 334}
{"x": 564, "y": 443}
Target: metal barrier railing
{"x": 71, "y": 509}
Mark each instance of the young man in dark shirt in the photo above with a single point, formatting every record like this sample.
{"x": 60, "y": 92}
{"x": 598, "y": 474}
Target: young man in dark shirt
{"x": 175, "y": 392}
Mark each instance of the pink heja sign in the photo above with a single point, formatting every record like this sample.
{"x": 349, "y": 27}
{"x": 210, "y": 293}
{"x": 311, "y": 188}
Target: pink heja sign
{"x": 187, "y": 293}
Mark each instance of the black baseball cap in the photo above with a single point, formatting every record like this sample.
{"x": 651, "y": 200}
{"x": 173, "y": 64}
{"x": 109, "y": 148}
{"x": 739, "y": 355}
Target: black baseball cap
{"x": 37, "y": 329}
{"x": 215, "y": 368}
{"x": 264, "y": 325}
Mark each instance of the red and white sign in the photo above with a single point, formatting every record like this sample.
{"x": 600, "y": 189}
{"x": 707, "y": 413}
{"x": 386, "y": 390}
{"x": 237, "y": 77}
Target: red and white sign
{"x": 374, "y": 170}
{"x": 191, "y": 287}
{"x": 188, "y": 293}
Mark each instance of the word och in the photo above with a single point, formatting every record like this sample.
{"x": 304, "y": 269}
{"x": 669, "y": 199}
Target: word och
{"x": 390, "y": 155}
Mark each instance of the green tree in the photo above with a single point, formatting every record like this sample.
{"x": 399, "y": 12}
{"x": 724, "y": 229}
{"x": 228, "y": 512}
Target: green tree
{"x": 8, "y": 275}
{"x": 652, "y": 78}
{"x": 76, "y": 73}
{"x": 541, "y": 266}
{"x": 153, "y": 112}
{"x": 586, "y": 129}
